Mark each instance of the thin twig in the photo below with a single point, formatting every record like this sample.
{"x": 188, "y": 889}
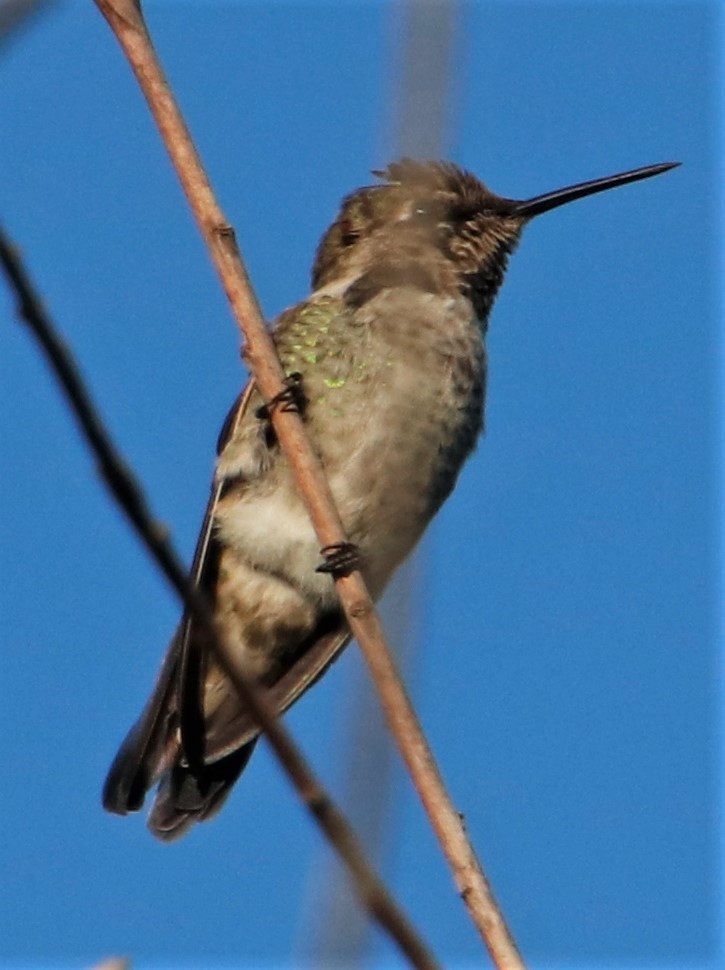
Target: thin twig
{"x": 127, "y": 23}
{"x": 129, "y": 495}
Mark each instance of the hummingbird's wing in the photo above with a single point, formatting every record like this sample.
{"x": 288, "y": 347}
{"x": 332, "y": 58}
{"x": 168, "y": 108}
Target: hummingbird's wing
{"x": 314, "y": 655}
{"x": 150, "y": 748}
{"x": 203, "y": 766}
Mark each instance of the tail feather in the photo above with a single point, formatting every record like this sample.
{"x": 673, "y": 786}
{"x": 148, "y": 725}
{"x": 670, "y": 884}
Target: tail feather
{"x": 186, "y": 796}
{"x": 147, "y": 750}
{"x": 135, "y": 769}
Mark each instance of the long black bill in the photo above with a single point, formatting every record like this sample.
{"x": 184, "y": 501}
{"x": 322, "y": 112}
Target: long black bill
{"x": 551, "y": 200}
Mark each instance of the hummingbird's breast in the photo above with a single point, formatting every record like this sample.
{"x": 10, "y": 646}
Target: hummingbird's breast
{"x": 394, "y": 392}
{"x": 395, "y": 407}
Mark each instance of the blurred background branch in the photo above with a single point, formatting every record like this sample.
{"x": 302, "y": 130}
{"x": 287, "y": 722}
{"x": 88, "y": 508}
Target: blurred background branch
{"x": 18, "y": 15}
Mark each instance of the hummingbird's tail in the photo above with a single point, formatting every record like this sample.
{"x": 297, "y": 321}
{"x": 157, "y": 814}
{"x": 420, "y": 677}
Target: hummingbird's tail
{"x": 186, "y": 796}
{"x": 148, "y": 750}
{"x": 151, "y": 753}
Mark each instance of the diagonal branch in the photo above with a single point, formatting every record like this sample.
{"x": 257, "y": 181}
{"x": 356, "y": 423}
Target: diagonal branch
{"x": 128, "y": 25}
{"x": 126, "y": 490}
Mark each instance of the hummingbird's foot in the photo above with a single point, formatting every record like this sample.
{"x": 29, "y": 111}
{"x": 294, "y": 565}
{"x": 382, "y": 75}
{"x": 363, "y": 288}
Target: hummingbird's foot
{"x": 292, "y": 398}
{"x": 341, "y": 559}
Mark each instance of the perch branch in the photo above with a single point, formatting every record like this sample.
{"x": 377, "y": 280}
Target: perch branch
{"x": 127, "y": 23}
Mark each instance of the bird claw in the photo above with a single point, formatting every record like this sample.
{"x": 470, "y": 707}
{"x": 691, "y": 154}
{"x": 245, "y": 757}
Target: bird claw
{"x": 341, "y": 559}
{"x": 291, "y": 398}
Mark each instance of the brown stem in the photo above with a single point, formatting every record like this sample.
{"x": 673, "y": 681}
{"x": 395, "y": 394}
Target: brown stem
{"x": 130, "y": 497}
{"x": 126, "y": 21}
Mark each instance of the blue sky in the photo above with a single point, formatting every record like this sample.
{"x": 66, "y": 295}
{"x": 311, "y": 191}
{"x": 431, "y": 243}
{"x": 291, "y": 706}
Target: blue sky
{"x": 568, "y": 669}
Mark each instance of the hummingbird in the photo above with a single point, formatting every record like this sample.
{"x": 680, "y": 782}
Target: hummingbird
{"x": 386, "y": 363}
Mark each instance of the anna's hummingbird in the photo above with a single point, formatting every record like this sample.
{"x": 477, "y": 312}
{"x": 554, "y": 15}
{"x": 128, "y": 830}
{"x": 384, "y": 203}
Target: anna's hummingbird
{"x": 389, "y": 365}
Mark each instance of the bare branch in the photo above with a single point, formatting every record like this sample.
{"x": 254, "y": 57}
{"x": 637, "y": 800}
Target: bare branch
{"x": 126, "y": 490}
{"x": 126, "y": 21}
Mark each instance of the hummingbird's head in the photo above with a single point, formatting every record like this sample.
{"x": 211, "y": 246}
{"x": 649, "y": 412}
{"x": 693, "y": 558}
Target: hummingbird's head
{"x": 436, "y": 225}
{"x": 428, "y": 219}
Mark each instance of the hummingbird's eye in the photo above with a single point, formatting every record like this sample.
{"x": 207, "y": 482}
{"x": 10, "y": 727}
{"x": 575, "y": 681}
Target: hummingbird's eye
{"x": 348, "y": 233}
